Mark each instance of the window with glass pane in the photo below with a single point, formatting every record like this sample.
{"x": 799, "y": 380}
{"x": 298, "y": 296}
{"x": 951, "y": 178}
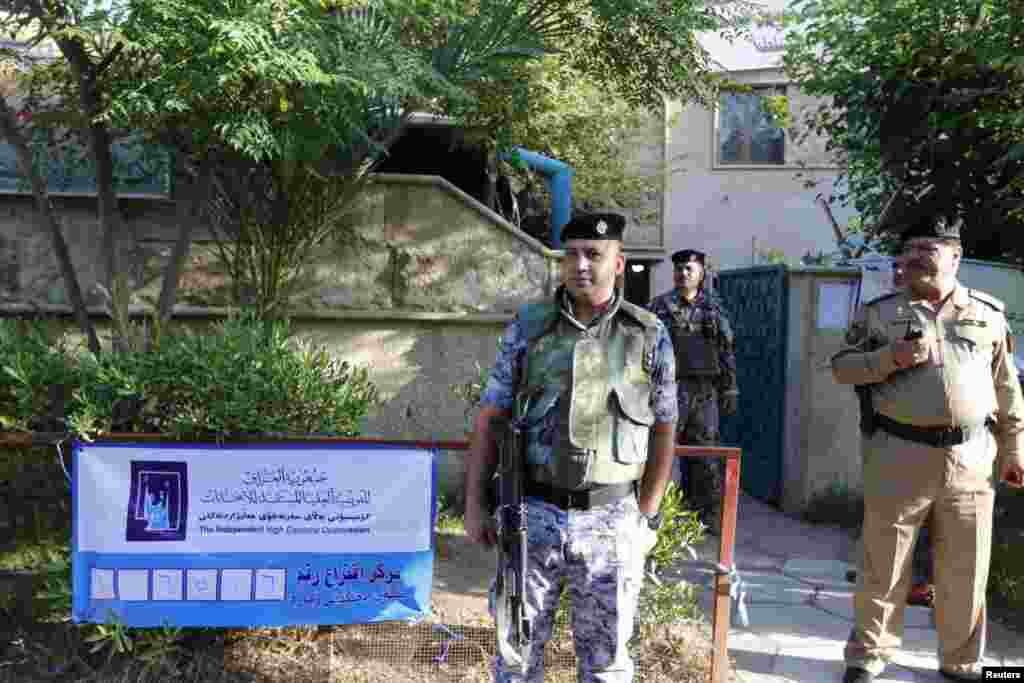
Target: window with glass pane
{"x": 139, "y": 167}
{"x": 746, "y": 132}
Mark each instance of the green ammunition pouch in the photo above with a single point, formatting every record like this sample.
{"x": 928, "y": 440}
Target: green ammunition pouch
{"x": 600, "y": 388}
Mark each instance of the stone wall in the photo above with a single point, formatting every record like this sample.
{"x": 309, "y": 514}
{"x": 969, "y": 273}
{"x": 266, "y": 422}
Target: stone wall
{"x": 419, "y": 243}
{"x": 409, "y": 243}
{"x": 418, "y": 288}
{"x": 28, "y": 268}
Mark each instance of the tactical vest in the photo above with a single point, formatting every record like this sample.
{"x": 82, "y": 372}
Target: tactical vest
{"x": 599, "y": 381}
{"x": 694, "y": 344}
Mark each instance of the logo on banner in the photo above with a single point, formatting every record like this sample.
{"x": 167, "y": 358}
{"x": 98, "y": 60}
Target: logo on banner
{"x": 157, "y": 501}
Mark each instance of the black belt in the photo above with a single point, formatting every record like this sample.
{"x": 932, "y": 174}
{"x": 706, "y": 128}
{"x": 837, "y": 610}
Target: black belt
{"x": 939, "y": 437}
{"x": 580, "y": 500}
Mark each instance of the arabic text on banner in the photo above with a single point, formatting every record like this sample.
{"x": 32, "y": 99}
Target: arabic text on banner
{"x": 251, "y": 535}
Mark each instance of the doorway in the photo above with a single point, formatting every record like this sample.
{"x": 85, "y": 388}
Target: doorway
{"x": 637, "y": 281}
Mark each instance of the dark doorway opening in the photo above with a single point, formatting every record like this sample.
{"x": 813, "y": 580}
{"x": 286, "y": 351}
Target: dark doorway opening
{"x": 637, "y": 281}
{"x": 443, "y": 151}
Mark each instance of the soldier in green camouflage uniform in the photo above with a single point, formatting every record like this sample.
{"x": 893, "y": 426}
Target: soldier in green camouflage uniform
{"x": 706, "y": 374}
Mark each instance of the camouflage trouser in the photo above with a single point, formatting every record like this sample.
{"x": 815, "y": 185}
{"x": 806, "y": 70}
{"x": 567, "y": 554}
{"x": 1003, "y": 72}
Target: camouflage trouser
{"x": 598, "y": 554}
{"x": 700, "y": 478}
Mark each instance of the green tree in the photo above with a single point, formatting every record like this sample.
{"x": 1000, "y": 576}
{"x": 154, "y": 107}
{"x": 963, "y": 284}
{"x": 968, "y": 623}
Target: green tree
{"x": 923, "y": 107}
{"x": 551, "y": 107}
{"x": 591, "y": 99}
{"x": 294, "y": 153}
{"x": 280, "y": 108}
{"x": 83, "y": 63}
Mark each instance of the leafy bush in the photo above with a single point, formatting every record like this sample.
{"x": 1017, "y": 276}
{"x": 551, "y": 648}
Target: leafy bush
{"x": 1006, "y": 575}
{"x": 470, "y": 392}
{"x": 243, "y": 377}
{"x": 680, "y": 528}
{"x": 35, "y": 364}
{"x": 665, "y": 604}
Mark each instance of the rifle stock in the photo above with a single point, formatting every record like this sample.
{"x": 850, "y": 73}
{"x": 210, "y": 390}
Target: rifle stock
{"x": 867, "y": 408}
{"x": 513, "y": 629}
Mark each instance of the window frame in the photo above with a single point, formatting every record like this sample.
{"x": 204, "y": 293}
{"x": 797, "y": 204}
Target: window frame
{"x": 769, "y": 87}
{"x": 39, "y": 143}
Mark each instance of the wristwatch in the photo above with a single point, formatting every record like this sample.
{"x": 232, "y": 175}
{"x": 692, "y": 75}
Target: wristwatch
{"x": 653, "y": 521}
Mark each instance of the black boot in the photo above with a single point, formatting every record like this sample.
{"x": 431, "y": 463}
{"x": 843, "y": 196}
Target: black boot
{"x": 857, "y": 675}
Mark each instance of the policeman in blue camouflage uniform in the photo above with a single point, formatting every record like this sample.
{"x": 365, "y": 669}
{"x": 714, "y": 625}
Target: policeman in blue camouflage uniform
{"x": 706, "y": 373}
{"x": 597, "y": 377}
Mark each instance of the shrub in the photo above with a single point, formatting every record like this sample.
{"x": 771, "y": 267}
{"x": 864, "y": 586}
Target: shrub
{"x": 242, "y": 377}
{"x": 1006, "y": 575}
{"x": 36, "y": 373}
{"x": 680, "y": 528}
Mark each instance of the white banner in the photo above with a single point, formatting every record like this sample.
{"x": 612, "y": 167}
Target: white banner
{"x": 251, "y": 534}
{"x": 309, "y": 500}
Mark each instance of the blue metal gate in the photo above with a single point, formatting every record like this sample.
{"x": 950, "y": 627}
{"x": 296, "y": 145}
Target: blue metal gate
{"x": 756, "y": 302}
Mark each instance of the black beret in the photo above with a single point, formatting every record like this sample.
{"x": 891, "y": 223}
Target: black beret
{"x": 594, "y": 226}
{"x": 938, "y": 227}
{"x": 687, "y": 255}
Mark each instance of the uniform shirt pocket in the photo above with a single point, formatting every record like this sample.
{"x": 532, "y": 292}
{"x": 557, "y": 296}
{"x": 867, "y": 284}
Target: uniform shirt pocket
{"x": 971, "y": 342}
{"x": 633, "y": 420}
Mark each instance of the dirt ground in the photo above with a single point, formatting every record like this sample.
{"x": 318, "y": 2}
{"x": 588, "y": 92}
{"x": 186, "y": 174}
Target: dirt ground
{"x": 462, "y": 576}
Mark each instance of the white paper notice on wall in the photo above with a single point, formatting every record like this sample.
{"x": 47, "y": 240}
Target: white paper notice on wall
{"x": 835, "y": 305}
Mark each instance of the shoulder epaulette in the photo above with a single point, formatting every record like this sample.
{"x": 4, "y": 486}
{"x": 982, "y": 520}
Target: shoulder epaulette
{"x": 649, "y": 322}
{"x": 641, "y": 315}
{"x": 878, "y": 299}
{"x": 536, "y": 318}
{"x": 987, "y": 299}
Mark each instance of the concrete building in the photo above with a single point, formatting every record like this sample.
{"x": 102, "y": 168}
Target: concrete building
{"x": 739, "y": 187}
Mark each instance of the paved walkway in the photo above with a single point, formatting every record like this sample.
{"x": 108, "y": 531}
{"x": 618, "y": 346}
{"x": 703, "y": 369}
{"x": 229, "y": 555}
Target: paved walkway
{"x": 801, "y": 609}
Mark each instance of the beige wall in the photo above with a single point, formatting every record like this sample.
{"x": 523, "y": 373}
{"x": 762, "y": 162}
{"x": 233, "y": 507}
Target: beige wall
{"x": 413, "y": 363}
{"x": 822, "y": 438}
{"x": 644, "y": 155}
{"x": 730, "y": 212}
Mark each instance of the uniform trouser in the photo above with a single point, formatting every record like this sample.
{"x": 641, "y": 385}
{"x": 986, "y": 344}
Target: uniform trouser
{"x": 700, "y": 478}
{"x": 921, "y": 565}
{"x": 904, "y": 482}
{"x": 598, "y": 554}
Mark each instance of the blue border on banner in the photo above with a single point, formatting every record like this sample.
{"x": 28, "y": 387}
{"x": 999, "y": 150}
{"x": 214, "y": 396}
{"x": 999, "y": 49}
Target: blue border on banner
{"x": 220, "y": 589}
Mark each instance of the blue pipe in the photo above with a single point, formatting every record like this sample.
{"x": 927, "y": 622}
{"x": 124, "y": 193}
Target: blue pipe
{"x": 558, "y": 178}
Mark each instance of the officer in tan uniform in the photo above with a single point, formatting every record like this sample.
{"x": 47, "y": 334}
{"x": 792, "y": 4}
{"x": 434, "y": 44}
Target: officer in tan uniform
{"x": 936, "y": 357}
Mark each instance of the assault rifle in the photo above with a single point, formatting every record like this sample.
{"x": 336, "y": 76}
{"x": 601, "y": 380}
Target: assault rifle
{"x": 513, "y": 629}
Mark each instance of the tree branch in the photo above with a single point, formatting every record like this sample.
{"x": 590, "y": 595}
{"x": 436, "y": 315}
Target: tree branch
{"x": 9, "y": 130}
